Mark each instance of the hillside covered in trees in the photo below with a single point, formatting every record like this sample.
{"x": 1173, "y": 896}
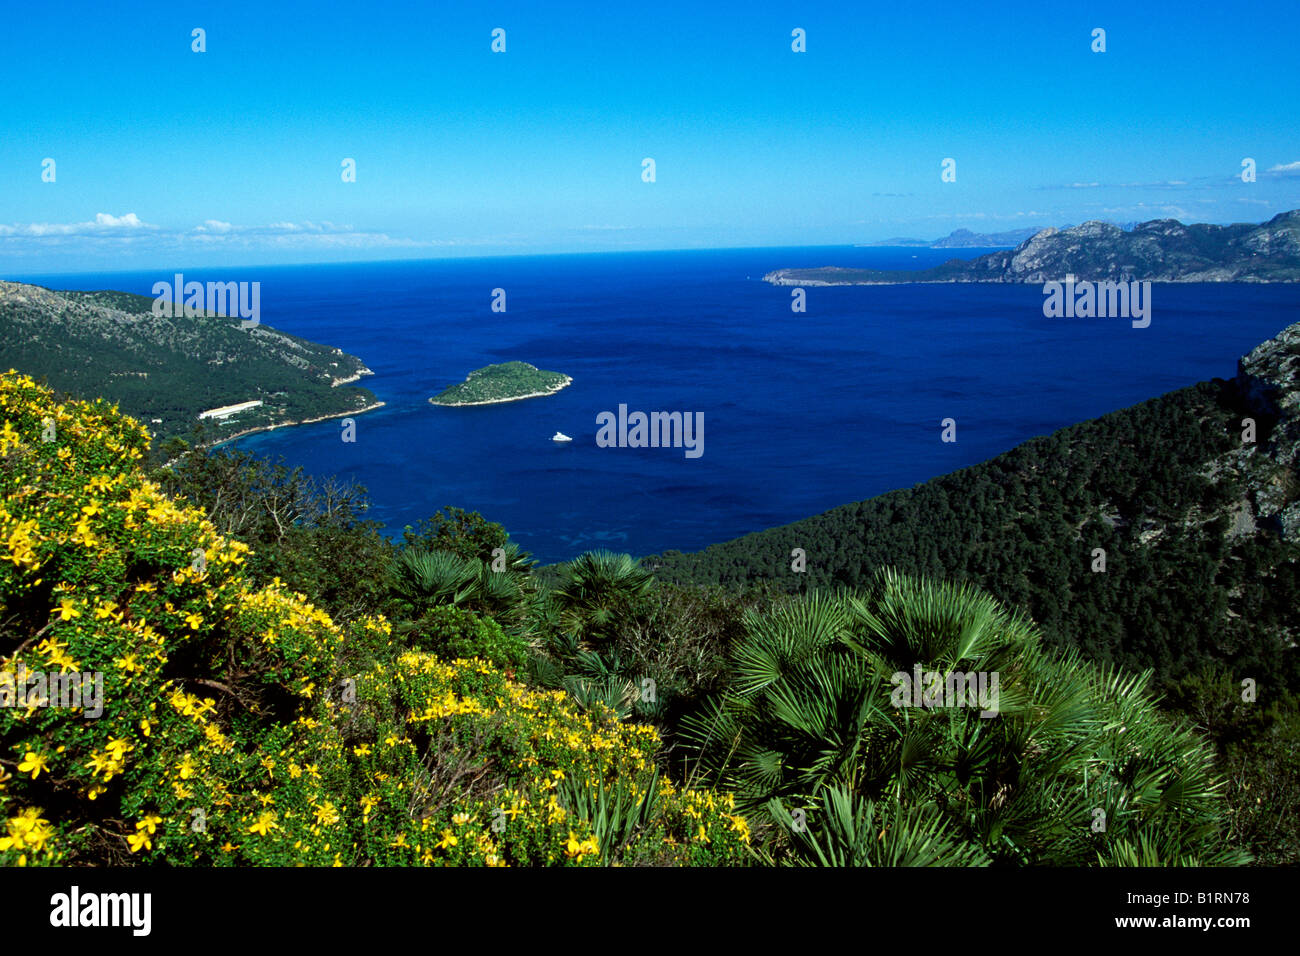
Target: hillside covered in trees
{"x": 165, "y": 370}
{"x": 1196, "y": 509}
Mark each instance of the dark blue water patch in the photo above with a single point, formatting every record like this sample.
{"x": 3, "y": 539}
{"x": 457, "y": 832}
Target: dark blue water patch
{"x": 802, "y": 412}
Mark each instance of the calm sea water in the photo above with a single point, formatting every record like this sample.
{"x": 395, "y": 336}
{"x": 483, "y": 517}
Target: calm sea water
{"x": 802, "y": 412}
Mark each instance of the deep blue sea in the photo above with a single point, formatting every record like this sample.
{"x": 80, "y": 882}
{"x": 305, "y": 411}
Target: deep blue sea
{"x": 802, "y": 412}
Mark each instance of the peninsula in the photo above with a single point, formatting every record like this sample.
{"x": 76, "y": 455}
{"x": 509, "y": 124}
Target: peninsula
{"x": 506, "y": 382}
{"x": 172, "y": 373}
{"x": 1162, "y": 250}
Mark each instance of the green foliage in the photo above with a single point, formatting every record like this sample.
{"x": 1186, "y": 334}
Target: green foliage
{"x": 501, "y": 586}
{"x": 646, "y": 822}
{"x": 425, "y": 579}
{"x": 1258, "y": 742}
{"x": 679, "y": 638}
{"x": 464, "y": 533}
{"x": 814, "y": 706}
{"x": 453, "y": 632}
{"x": 501, "y": 383}
{"x": 598, "y": 588}
{"x": 851, "y": 831}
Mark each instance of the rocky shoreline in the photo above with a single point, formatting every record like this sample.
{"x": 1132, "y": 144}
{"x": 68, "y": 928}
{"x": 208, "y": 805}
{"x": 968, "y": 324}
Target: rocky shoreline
{"x": 361, "y": 373}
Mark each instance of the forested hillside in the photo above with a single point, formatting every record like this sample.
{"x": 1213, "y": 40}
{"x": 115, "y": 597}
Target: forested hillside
{"x": 165, "y": 370}
{"x": 1200, "y": 529}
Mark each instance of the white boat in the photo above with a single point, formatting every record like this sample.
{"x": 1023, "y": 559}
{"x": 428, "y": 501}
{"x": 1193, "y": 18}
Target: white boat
{"x": 560, "y": 436}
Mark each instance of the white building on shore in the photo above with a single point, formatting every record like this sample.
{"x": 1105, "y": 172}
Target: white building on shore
{"x": 225, "y": 411}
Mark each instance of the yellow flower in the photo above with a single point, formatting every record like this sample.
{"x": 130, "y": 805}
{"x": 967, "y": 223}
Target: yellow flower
{"x": 265, "y": 823}
{"x": 28, "y": 830}
{"x": 35, "y": 763}
{"x": 118, "y": 748}
{"x": 448, "y": 840}
{"x": 575, "y": 847}
{"x": 460, "y": 819}
{"x": 740, "y": 826}
{"x": 149, "y": 823}
{"x": 139, "y": 841}
{"x": 68, "y": 610}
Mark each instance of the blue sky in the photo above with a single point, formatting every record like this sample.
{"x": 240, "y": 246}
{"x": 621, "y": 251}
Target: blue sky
{"x": 167, "y": 158}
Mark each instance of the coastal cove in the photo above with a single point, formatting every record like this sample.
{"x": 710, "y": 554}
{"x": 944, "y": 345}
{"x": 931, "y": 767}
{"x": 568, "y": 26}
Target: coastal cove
{"x": 306, "y": 421}
{"x": 805, "y": 412}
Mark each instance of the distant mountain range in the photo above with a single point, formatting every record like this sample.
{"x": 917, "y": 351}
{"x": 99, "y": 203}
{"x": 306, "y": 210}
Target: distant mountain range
{"x": 1162, "y": 250}
{"x": 963, "y": 239}
{"x": 164, "y": 371}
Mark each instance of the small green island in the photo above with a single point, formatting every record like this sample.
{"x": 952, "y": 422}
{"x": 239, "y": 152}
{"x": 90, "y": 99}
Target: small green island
{"x": 507, "y": 382}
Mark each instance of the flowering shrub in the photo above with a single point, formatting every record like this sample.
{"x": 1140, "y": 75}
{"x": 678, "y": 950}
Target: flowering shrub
{"x": 239, "y": 725}
{"x": 453, "y": 632}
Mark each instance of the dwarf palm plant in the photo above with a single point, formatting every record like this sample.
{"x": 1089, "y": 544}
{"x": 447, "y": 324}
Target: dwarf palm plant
{"x": 500, "y": 586}
{"x": 854, "y": 694}
{"x": 427, "y": 578}
{"x": 598, "y": 587}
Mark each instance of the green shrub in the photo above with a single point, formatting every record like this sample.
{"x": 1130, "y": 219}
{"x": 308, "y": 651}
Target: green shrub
{"x": 452, "y": 632}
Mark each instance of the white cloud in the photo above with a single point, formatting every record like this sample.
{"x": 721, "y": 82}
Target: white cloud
{"x": 106, "y": 231}
{"x": 103, "y": 224}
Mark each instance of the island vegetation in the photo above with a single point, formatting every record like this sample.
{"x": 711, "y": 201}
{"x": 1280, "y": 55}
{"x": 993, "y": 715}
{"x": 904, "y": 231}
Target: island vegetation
{"x": 506, "y": 382}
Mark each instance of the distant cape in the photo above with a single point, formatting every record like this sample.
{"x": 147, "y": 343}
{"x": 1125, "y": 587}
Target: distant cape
{"x": 1162, "y": 250}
